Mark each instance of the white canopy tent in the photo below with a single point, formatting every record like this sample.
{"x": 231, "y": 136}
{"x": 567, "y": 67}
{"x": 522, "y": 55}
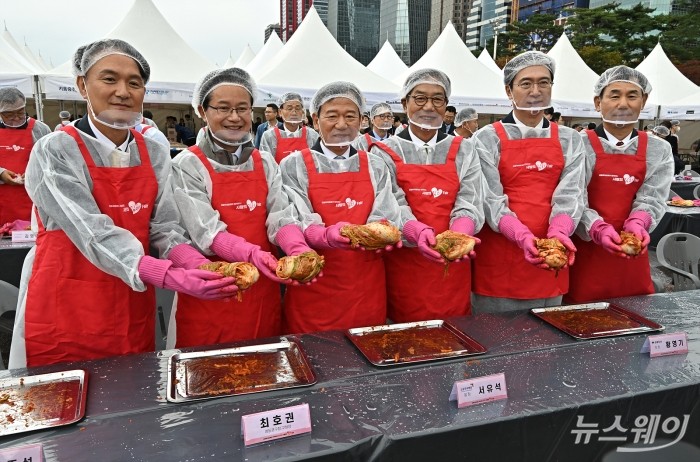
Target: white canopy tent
{"x": 387, "y": 63}
{"x": 473, "y": 84}
{"x": 486, "y": 59}
{"x": 247, "y": 55}
{"x": 265, "y": 56}
{"x": 572, "y": 92}
{"x": 669, "y": 85}
{"x": 12, "y": 74}
{"x": 175, "y": 66}
{"x": 312, "y": 58}
{"x": 687, "y": 108}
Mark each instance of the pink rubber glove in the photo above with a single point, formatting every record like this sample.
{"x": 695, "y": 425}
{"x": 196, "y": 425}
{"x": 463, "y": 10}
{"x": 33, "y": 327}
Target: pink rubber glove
{"x": 187, "y": 257}
{"x": 638, "y": 223}
{"x": 465, "y": 225}
{"x": 291, "y": 239}
{"x": 561, "y": 227}
{"x": 234, "y": 248}
{"x": 328, "y": 237}
{"x": 422, "y": 236}
{"x": 516, "y": 232}
{"x": 198, "y": 283}
{"x": 604, "y": 235}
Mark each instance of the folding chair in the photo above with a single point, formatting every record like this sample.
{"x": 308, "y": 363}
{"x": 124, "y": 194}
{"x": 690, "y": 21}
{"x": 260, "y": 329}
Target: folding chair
{"x": 680, "y": 253}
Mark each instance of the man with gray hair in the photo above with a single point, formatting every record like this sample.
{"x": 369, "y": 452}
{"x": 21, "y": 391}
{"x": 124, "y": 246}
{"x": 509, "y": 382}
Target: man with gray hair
{"x": 382, "y": 119}
{"x": 466, "y": 122}
{"x": 65, "y": 120}
{"x": 628, "y": 177}
{"x": 331, "y": 185}
{"x": 437, "y": 181}
{"x": 18, "y": 133}
{"x": 533, "y": 179}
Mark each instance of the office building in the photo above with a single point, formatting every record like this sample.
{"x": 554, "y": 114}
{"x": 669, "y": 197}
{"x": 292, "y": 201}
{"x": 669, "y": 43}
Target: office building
{"x": 485, "y": 18}
{"x": 444, "y": 11}
{"x": 270, "y": 29}
{"x": 405, "y": 24}
{"x": 559, "y": 8}
{"x": 355, "y": 25}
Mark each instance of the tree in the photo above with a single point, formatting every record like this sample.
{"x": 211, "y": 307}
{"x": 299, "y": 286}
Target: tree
{"x": 598, "y": 58}
{"x": 537, "y": 33}
{"x": 679, "y": 36}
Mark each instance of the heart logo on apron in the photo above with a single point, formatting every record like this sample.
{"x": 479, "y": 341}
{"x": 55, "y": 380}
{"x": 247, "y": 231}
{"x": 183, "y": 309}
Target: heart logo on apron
{"x": 541, "y": 165}
{"x": 135, "y": 207}
{"x": 436, "y": 192}
{"x": 351, "y": 203}
{"x": 251, "y": 204}
{"x": 628, "y": 178}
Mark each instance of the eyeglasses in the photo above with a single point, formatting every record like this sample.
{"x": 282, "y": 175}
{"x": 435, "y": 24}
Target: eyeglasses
{"x": 227, "y": 111}
{"x": 387, "y": 116}
{"x": 542, "y": 84}
{"x": 18, "y": 114}
{"x": 422, "y": 100}
{"x": 293, "y": 108}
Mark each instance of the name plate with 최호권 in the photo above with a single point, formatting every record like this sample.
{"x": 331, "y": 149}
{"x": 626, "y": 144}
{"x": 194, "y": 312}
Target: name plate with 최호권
{"x": 479, "y": 390}
{"x": 24, "y": 236}
{"x": 275, "y": 424}
{"x": 27, "y": 453}
{"x": 666, "y": 344}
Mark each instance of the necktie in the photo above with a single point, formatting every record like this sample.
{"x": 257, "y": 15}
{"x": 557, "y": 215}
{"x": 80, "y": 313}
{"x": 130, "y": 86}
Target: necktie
{"x": 339, "y": 158}
{"x": 426, "y": 148}
{"x": 619, "y": 143}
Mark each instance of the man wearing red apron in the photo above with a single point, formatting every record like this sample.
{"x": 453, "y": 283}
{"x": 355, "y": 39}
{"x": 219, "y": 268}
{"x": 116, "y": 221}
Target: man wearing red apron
{"x": 103, "y": 198}
{"x": 295, "y": 136}
{"x": 18, "y": 133}
{"x": 231, "y": 199}
{"x": 330, "y": 185}
{"x": 628, "y": 175}
{"x": 534, "y": 181}
{"x": 438, "y": 178}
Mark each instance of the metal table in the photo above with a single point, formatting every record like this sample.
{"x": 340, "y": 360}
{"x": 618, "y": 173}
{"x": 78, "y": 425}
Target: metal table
{"x": 560, "y": 391}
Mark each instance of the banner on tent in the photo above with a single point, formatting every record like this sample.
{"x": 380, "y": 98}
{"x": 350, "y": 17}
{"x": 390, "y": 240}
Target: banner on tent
{"x": 64, "y": 88}
{"x": 22, "y": 83}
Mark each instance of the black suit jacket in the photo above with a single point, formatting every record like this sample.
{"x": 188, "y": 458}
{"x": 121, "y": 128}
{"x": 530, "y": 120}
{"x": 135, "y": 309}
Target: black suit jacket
{"x": 444, "y": 129}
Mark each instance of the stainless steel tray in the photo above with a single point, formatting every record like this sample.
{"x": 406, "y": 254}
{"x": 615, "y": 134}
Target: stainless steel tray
{"x": 42, "y": 401}
{"x": 413, "y": 342}
{"x": 237, "y": 371}
{"x": 596, "y": 320}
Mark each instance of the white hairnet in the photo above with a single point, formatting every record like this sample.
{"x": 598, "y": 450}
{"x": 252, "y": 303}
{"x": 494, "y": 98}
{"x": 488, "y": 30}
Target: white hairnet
{"x": 87, "y": 55}
{"x": 675, "y": 122}
{"x": 379, "y": 109}
{"x": 337, "y": 90}
{"x": 64, "y": 115}
{"x": 431, "y": 76}
{"x": 662, "y": 131}
{"x": 527, "y": 59}
{"x": 290, "y": 96}
{"x": 621, "y": 74}
{"x": 464, "y": 115}
{"x": 232, "y": 76}
{"x": 11, "y": 99}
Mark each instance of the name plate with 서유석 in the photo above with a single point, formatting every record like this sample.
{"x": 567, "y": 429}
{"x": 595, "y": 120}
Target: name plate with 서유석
{"x": 29, "y": 453}
{"x": 666, "y": 344}
{"x": 479, "y": 390}
{"x": 275, "y": 424}
{"x": 24, "y": 236}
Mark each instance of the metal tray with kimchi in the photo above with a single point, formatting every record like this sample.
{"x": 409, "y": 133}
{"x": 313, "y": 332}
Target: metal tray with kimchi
{"x": 42, "y": 401}
{"x": 595, "y": 320}
{"x": 238, "y": 371}
{"x": 396, "y": 344}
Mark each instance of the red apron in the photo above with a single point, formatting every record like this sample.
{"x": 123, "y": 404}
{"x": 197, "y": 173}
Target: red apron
{"x": 597, "y": 273}
{"x": 286, "y": 146}
{"x": 418, "y": 289}
{"x": 241, "y": 200}
{"x": 75, "y": 311}
{"x": 530, "y": 169}
{"x": 15, "y": 146}
{"x": 351, "y": 292}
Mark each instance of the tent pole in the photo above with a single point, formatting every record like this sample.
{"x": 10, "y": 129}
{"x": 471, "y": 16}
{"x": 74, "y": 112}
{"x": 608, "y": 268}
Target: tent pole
{"x": 37, "y": 99}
